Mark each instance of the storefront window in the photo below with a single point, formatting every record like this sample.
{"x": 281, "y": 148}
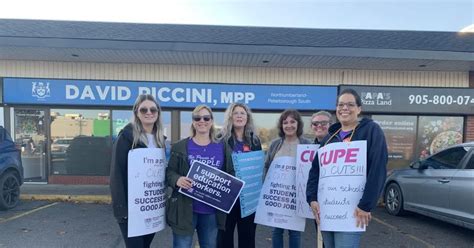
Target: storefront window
{"x": 438, "y": 132}
{"x": 30, "y": 133}
{"x": 400, "y": 135}
{"x": 81, "y": 143}
{"x": 122, "y": 117}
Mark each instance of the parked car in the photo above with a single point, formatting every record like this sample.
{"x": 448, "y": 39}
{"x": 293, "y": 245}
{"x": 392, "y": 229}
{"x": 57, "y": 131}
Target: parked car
{"x": 59, "y": 147}
{"x": 441, "y": 186}
{"x": 11, "y": 171}
{"x": 89, "y": 155}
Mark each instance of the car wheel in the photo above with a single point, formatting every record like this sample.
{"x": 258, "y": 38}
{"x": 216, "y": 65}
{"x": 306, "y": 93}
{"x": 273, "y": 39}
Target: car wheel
{"x": 9, "y": 191}
{"x": 394, "y": 199}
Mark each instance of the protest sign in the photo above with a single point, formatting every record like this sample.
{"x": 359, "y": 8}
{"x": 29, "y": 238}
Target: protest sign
{"x": 290, "y": 222}
{"x": 342, "y": 177}
{"x": 213, "y": 186}
{"x": 249, "y": 168}
{"x": 146, "y": 191}
{"x": 304, "y": 158}
{"x": 277, "y": 201}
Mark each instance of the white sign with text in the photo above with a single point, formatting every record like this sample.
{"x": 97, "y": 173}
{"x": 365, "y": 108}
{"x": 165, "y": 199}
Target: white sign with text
{"x": 277, "y": 201}
{"x": 342, "y": 178}
{"x": 146, "y": 191}
{"x": 304, "y": 158}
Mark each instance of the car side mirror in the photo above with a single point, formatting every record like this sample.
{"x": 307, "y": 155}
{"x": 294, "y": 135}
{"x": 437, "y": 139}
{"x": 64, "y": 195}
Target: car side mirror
{"x": 419, "y": 165}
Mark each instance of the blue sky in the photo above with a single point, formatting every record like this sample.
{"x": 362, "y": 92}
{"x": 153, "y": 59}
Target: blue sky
{"x": 430, "y": 15}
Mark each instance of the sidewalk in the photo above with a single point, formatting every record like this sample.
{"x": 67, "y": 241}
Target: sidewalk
{"x": 70, "y": 193}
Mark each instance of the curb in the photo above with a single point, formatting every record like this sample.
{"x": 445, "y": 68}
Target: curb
{"x": 101, "y": 199}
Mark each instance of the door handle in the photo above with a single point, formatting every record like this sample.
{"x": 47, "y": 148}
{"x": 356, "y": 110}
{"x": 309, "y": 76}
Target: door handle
{"x": 444, "y": 180}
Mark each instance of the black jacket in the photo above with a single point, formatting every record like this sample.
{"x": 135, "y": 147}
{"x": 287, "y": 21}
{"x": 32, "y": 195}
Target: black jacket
{"x": 118, "y": 172}
{"x": 377, "y": 157}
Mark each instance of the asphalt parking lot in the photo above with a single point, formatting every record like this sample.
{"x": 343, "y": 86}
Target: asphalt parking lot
{"x": 61, "y": 224}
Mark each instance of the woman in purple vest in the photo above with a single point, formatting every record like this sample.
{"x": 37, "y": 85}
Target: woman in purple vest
{"x": 239, "y": 133}
{"x": 184, "y": 214}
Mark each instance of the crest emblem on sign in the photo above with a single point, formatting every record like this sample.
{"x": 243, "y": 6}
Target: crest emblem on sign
{"x": 40, "y": 90}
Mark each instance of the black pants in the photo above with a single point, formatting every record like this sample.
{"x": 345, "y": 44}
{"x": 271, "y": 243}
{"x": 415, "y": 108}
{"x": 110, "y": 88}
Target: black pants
{"x": 139, "y": 241}
{"x": 245, "y": 228}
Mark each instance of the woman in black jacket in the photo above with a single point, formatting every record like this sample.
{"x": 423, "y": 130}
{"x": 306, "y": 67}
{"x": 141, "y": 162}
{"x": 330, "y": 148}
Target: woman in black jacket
{"x": 144, "y": 131}
{"x": 239, "y": 133}
{"x": 350, "y": 128}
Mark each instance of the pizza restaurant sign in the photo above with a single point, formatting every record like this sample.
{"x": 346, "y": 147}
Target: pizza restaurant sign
{"x": 415, "y": 100}
{"x": 376, "y": 98}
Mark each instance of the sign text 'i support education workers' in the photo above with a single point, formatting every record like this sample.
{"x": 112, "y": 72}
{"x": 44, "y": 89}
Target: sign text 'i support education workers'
{"x": 212, "y": 186}
{"x": 146, "y": 191}
{"x": 342, "y": 178}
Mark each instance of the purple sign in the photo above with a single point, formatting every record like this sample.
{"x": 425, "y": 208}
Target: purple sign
{"x": 213, "y": 187}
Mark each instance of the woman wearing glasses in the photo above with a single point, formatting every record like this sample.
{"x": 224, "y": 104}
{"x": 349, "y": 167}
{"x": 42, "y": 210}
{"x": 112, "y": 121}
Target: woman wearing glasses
{"x": 184, "y": 214}
{"x": 144, "y": 131}
{"x": 320, "y": 122}
{"x": 290, "y": 129}
{"x": 238, "y": 132}
{"x": 351, "y": 128}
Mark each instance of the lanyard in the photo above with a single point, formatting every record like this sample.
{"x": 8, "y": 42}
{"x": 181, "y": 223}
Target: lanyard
{"x": 337, "y": 132}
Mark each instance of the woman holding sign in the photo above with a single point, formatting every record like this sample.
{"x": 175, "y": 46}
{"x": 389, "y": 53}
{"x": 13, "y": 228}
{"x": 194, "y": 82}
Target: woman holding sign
{"x": 183, "y": 213}
{"x": 145, "y": 131}
{"x": 238, "y": 133}
{"x": 349, "y": 129}
{"x": 290, "y": 129}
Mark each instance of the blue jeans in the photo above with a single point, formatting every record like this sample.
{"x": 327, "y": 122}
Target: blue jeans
{"x": 206, "y": 227}
{"x": 341, "y": 239}
{"x": 293, "y": 236}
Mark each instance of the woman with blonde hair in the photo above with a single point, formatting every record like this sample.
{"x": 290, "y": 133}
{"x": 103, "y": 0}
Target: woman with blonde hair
{"x": 239, "y": 133}
{"x": 144, "y": 131}
{"x": 183, "y": 213}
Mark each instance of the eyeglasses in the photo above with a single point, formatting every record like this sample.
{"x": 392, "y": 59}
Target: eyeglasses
{"x": 319, "y": 123}
{"x": 152, "y": 110}
{"x": 347, "y": 104}
{"x": 204, "y": 117}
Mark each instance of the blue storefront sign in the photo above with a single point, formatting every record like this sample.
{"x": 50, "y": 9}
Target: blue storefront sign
{"x": 180, "y": 95}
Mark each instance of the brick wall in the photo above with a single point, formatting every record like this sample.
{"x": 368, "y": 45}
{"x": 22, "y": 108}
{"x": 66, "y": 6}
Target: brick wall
{"x": 469, "y": 129}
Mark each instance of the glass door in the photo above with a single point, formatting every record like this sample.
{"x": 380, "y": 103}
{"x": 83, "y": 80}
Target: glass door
{"x": 30, "y": 132}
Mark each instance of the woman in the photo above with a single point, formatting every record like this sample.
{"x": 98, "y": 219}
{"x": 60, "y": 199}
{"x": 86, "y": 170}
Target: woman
{"x": 238, "y": 133}
{"x": 350, "y": 128}
{"x": 290, "y": 130}
{"x": 144, "y": 131}
{"x": 184, "y": 214}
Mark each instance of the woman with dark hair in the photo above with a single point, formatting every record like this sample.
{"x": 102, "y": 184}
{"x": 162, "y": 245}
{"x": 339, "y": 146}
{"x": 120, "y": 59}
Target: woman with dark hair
{"x": 350, "y": 128}
{"x": 183, "y": 213}
{"x": 239, "y": 133}
{"x": 144, "y": 131}
{"x": 290, "y": 129}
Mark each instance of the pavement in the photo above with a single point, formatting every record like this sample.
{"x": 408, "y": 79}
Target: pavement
{"x": 66, "y": 193}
